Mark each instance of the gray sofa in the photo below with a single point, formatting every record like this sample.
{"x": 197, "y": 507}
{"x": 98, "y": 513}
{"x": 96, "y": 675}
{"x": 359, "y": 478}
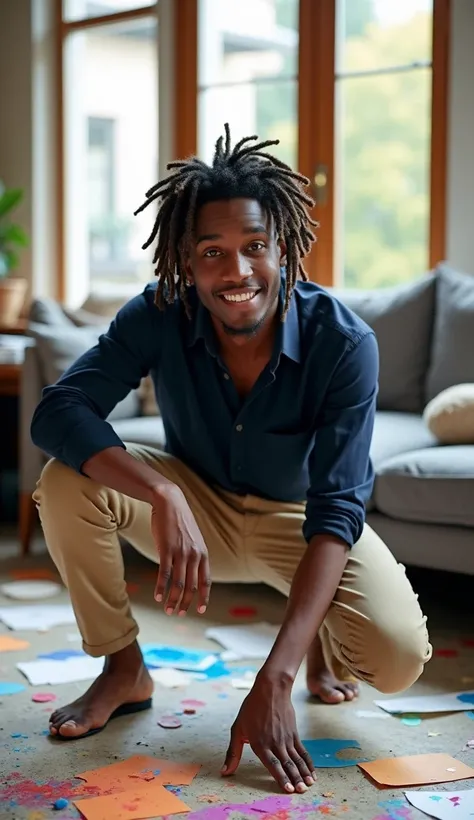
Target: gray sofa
{"x": 423, "y": 499}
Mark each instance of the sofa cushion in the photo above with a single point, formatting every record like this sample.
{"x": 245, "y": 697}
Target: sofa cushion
{"x": 396, "y": 433}
{"x": 450, "y": 415}
{"x": 48, "y": 312}
{"x": 402, "y": 319}
{"x": 452, "y": 360}
{"x": 433, "y": 486}
{"x": 145, "y": 430}
{"x": 58, "y": 348}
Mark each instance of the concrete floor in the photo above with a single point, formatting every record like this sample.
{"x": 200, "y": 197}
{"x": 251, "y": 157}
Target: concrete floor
{"x": 26, "y": 761}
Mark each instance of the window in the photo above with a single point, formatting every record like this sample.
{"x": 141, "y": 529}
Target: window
{"x": 110, "y": 144}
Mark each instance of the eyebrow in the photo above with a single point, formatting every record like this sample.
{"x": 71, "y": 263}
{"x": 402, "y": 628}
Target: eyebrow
{"x": 251, "y": 229}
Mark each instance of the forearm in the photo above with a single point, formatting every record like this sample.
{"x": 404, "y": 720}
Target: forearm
{"x": 314, "y": 585}
{"x": 116, "y": 468}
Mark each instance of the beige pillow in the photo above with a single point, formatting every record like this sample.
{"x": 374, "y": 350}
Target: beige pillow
{"x": 450, "y": 415}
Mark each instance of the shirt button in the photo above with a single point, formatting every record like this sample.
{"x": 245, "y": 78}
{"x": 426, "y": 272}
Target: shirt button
{"x": 226, "y": 376}
{"x": 239, "y": 428}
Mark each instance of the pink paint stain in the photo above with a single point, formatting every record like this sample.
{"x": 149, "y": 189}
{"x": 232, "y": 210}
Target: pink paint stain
{"x": 270, "y": 808}
{"x": 193, "y": 704}
{"x": 20, "y": 791}
{"x": 43, "y": 697}
{"x": 455, "y": 800}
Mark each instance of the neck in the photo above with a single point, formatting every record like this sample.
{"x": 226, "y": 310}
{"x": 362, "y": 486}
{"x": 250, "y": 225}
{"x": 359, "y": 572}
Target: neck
{"x": 254, "y": 346}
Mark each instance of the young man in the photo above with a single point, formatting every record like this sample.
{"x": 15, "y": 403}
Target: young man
{"x": 267, "y": 387}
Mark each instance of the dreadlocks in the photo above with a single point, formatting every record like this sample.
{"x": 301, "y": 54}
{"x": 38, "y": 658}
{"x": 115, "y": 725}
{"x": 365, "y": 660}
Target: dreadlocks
{"x": 246, "y": 171}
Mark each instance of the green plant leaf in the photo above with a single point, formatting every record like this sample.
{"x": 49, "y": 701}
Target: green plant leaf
{"x": 9, "y": 200}
{"x": 14, "y": 234}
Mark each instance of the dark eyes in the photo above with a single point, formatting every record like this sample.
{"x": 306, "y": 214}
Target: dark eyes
{"x": 254, "y": 247}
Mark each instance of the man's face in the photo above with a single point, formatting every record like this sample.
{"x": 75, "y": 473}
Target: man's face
{"x": 235, "y": 264}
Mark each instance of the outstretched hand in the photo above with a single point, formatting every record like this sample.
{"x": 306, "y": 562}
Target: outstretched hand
{"x": 267, "y": 722}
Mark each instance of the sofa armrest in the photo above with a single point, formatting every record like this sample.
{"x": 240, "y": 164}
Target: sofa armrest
{"x": 31, "y": 458}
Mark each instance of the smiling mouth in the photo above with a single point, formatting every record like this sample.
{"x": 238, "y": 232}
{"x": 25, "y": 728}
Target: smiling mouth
{"x": 239, "y": 297}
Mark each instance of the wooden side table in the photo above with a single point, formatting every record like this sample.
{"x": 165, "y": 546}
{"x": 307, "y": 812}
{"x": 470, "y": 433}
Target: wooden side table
{"x": 10, "y": 378}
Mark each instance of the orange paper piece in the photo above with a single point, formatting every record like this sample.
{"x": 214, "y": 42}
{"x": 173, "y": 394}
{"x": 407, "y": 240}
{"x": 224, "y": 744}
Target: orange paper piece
{"x": 146, "y": 800}
{"x": 124, "y": 775}
{"x": 32, "y": 574}
{"x": 417, "y": 770}
{"x": 8, "y": 644}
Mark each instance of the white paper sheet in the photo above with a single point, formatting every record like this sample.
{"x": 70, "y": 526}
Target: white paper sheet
{"x": 444, "y": 805}
{"x": 170, "y": 678}
{"x": 72, "y": 670}
{"x": 427, "y": 703}
{"x": 37, "y": 616}
{"x": 371, "y": 713}
{"x": 30, "y": 590}
{"x": 252, "y": 641}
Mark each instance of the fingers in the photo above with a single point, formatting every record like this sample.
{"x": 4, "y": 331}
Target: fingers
{"x": 234, "y": 753}
{"x": 204, "y": 584}
{"x": 176, "y": 585}
{"x": 305, "y": 756}
{"x": 289, "y": 768}
{"x": 191, "y": 585}
{"x": 164, "y": 575}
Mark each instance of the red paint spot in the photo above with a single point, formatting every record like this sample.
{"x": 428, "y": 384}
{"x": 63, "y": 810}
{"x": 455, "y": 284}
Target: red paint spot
{"x": 43, "y": 697}
{"x": 468, "y": 642}
{"x": 31, "y": 794}
{"x": 446, "y": 653}
{"x": 132, "y": 588}
{"x": 243, "y": 612}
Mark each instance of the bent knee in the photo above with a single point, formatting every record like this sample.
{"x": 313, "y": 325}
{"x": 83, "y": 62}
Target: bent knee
{"x": 55, "y": 482}
{"x": 402, "y": 662}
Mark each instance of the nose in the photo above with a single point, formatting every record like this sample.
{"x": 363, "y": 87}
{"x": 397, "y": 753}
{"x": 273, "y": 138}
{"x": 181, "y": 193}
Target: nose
{"x": 238, "y": 268}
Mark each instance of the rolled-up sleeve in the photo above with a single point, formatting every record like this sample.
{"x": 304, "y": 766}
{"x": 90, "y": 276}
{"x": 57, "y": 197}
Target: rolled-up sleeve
{"x": 341, "y": 472}
{"x": 70, "y": 421}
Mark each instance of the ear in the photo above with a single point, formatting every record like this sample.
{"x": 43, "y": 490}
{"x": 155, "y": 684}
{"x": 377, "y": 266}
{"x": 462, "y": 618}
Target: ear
{"x": 282, "y": 248}
{"x": 188, "y": 271}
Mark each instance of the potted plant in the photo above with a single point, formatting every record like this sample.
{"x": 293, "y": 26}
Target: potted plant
{"x": 12, "y": 238}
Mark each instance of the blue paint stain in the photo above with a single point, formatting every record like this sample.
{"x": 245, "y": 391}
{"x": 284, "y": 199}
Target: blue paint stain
{"x": 7, "y": 688}
{"x": 223, "y": 696}
{"x": 61, "y": 803}
{"x": 16, "y": 734}
{"x": 323, "y": 752}
{"x": 466, "y": 697}
{"x": 62, "y": 655}
{"x": 156, "y": 772}
{"x": 470, "y": 715}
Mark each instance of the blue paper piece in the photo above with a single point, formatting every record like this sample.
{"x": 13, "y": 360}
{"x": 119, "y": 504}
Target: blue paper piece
{"x": 61, "y": 655}
{"x": 323, "y": 752}
{"x": 470, "y": 715}
{"x": 217, "y": 670}
{"x": 190, "y": 660}
{"x": 466, "y": 697}
{"x": 10, "y": 688}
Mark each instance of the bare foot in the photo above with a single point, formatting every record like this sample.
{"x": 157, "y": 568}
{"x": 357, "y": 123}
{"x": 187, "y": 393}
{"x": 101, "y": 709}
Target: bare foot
{"x": 125, "y": 679}
{"x": 320, "y": 680}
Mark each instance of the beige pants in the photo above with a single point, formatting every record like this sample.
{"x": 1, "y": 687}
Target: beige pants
{"x": 374, "y": 629}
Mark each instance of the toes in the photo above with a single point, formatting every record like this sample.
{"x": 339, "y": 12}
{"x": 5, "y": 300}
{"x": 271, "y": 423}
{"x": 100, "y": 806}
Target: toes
{"x": 70, "y": 728}
{"x": 331, "y": 695}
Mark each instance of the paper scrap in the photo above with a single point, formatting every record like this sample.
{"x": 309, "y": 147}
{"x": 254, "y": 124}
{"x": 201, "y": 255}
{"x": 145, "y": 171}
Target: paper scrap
{"x": 444, "y": 805}
{"x": 453, "y": 702}
{"x": 323, "y": 752}
{"x": 41, "y": 673}
{"x": 9, "y": 644}
{"x": 142, "y": 801}
{"x": 117, "y": 775}
{"x": 30, "y": 590}
{"x": 252, "y": 641}
{"x": 7, "y": 688}
{"x": 170, "y": 678}
{"x": 62, "y": 655}
{"x": 39, "y": 616}
{"x": 242, "y": 683}
{"x": 416, "y": 770}
{"x": 371, "y": 713}
{"x": 177, "y": 657}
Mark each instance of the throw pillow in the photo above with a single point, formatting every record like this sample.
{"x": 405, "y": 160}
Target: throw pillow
{"x": 58, "y": 348}
{"x": 402, "y": 320}
{"x": 452, "y": 360}
{"x": 450, "y": 415}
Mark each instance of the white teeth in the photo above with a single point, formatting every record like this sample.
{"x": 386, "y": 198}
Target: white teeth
{"x": 239, "y": 297}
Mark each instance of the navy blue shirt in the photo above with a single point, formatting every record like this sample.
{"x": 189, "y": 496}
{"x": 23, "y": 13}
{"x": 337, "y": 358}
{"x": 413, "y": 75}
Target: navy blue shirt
{"x": 302, "y": 434}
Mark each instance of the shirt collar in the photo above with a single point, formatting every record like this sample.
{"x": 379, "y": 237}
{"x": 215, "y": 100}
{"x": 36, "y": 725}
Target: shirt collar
{"x": 287, "y": 339}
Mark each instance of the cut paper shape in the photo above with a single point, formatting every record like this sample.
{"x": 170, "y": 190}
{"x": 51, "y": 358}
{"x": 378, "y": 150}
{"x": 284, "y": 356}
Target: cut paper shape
{"x": 9, "y": 644}
{"x": 43, "y": 697}
{"x": 7, "y": 688}
{"x": 369, "y": 713}
{"x": 142, "y": 801}
{"x": 453, "y": 702}
{"x": 39, "y": 616}
{"x": 252, "y": 641}
{"x": 177, "y": 657}
{"x": 44, "y": 673}
{"x": 30, "y": 590}
{"x": 444, "y": 805}
{"x": 169, "y": 722}
{"x": 170, "y": 678}
{"x": 242, "y": 683}
{"x": 117, "y": 776}
{"x": 417, "y": 770}
{"x": 323, "y": 752}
